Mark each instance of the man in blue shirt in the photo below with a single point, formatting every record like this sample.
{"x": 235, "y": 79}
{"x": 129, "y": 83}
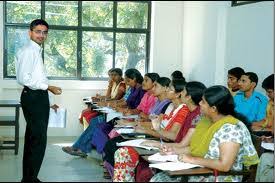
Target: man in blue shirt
{"x": 249, "y": 104}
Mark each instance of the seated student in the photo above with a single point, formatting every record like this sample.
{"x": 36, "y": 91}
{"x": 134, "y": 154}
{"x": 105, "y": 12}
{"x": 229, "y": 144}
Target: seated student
{"x": 117, "y": 86}
{"x": 148, "y": 100}
{"x": 175, "y": 114}
{"x": 225, "y": 145}
{"x": 233, "y": 77}
{"x": 83, "y": 145}
{"x": 88, "y": 113}
{"x": 116, "y": 104}
{"x": 265, "y": 169}
{"x": 116, "y": 90}
{"x": 98, "y": 96}
{"x": 159, "y": 90}
{"x": 100, "y": 137}
{"x": 248, "y": 103}
{"x": 177, "y": 75}
{"x": 267, "y": 123}
{"x": 191, "y": 96}
{"x": 169, "y": 124}
{"x": 160, "y": 86}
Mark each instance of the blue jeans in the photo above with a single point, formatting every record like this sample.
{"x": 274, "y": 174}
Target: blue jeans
{"x": 84, "y": 141}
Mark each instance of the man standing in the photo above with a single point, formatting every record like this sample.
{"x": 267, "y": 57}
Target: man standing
{"x": 30, "y": 73}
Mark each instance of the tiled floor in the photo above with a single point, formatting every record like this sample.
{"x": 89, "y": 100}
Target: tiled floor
{"x": 57, "y": 166}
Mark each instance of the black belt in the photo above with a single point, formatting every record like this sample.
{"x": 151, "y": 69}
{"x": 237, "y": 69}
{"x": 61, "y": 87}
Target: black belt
{"x": 27, "y": 88}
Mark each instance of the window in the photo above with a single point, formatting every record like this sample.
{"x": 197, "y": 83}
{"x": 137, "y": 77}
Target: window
{"x": 238, "y": 3}
{"x": 86, "y": 38}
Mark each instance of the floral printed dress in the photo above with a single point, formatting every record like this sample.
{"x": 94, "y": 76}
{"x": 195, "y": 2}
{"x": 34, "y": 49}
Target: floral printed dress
{"x": 126, "y": 159}
{"x": 227, "y": 133}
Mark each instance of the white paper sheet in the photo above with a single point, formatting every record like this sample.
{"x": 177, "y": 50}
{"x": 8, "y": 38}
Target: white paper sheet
{"x": 125, "y": 130}
{"x": 173, "y": 166}
{"x": 105, "y": 109}
{"x": 113, "y": 115}
{"x": 57, "y": 119}
{"x": 87, "y": 99}
{"x": 268, "y": 146}
{"x": 124, "y": 126}
{"x": 163, "y": 158}
{"x": 135, "y": 143}
{"x": 129, "y": 117}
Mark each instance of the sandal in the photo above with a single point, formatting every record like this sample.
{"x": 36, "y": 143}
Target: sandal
{"x": 106, "y": 175}
{"x": 74, "y": 152}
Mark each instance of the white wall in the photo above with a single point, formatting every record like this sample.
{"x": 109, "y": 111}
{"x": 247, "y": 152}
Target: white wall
{"x": 167, "y": 20}
{"x": 202, "y": 28}
{"x": 250, "y": 38}
{"x": 217, "y": 37}
{"x": 166, "y": 37}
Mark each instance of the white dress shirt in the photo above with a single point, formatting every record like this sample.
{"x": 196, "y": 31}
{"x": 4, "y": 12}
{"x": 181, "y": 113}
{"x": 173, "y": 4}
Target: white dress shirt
{"x": 30, "y": 70}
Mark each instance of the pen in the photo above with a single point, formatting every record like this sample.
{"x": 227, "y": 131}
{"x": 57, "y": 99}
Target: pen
{"x": 161, "y": 142}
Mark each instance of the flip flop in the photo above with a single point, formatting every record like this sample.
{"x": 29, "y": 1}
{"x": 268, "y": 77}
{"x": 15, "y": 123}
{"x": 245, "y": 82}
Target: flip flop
{"x": 73, "y": 152}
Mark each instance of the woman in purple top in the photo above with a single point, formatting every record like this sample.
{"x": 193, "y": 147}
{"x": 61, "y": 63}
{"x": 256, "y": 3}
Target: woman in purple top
{"x": 134, "y": 80}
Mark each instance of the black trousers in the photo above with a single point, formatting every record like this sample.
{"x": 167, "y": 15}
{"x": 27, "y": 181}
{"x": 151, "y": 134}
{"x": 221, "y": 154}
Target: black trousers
{"x": 110, "y": 149}
{"x": 36, "y": 107}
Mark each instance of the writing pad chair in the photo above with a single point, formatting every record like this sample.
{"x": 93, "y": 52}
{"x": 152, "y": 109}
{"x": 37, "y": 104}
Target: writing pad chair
{"x": 248, "y": 174}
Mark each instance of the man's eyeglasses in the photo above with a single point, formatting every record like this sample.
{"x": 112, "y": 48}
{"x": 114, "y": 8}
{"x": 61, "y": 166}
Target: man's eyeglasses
{"x": 44, "y": 33}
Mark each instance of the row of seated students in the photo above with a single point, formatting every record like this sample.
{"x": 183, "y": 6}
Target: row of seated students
{"x": 205, "y": 126}
{"x": 115, "y": 91}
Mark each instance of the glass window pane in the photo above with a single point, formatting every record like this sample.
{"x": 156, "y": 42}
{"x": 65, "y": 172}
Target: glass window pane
{"x": 97, "y": 14}
{"x": 97, "y": 54}
{"x": 23, "y": 11}
{"x": 132, "y": 15}
{"x": 130, "y": 51}
{"x": 16, "y": 38}
{"x": 61, "y": 12}
{"x": 61, "y": 53}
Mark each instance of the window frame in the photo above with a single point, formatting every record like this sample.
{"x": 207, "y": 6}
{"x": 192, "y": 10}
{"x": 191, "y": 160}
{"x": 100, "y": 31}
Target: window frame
{"x": 239, "y": 3}
{"x": 80, "y": 29}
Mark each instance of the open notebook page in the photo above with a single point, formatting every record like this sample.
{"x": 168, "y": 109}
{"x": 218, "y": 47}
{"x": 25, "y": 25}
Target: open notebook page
{"x": 136, "y": 143}
{"x": 173, "y": 166}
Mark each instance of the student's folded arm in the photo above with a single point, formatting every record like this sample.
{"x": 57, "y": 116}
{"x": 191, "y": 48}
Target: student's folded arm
{"x": 258, "y": 123}
{"x": 172, "y": 133}
{"x": 133, "y": 111}
{"x": 186, "y": 139}
{"x": 120, "y": 93}
{"x": 181, "y": 150}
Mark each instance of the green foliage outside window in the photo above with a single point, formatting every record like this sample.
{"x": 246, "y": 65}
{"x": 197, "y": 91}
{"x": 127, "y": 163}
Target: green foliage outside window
{"x": 103, "y": 35}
